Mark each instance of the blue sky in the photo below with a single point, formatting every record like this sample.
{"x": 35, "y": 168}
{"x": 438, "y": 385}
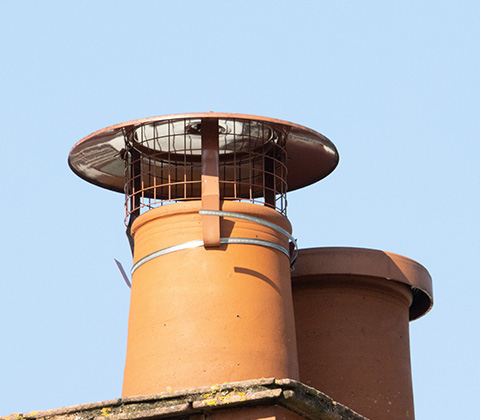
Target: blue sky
{"x": 395, "y": 85}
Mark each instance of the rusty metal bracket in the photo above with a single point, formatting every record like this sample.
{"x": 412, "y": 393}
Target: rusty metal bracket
{"x": 210, "y": 182}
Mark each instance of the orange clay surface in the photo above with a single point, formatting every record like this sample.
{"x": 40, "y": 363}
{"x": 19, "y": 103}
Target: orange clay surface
{"x": 352, "y": 323}
{"x": 200, "y": 317}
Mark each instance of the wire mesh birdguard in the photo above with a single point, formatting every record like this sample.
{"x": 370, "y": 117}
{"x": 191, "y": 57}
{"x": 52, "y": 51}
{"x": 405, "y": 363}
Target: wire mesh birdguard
{"x": 164, "y": 163}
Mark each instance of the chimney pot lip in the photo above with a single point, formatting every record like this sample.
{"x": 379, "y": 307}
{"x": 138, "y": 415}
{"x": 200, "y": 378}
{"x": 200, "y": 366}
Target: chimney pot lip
{"x": 99, "y": 157}
{"x": 344, "y": 261}
{"x": 194, "y": 207}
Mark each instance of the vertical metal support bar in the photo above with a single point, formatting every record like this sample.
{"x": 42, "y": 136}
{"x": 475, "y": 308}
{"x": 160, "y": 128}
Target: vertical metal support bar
{"x": 133, "y": 181}
{"x": 133, "y": 163}
{"x": 210, "y": 181}
{"x": 136, "y": 175}
{"x": 269, "y": 187}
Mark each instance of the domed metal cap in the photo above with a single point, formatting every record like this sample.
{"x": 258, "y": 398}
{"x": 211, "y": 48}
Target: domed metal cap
{"x": 100, "y": 157}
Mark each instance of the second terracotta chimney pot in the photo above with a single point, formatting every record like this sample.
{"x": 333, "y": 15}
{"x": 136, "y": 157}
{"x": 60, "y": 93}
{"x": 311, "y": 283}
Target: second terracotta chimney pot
{"x": 352, "y": 310}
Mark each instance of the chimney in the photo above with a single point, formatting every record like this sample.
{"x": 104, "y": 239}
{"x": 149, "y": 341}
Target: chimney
{"x": 212, "y": 247}
{"x": 352, "y": 309}
{"x": 211, "y": 290}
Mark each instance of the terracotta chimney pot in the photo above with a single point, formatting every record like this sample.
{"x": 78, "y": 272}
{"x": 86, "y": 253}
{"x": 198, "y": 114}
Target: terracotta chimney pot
{"x": 352, "y": 310}
{"x": 205, "y": 316}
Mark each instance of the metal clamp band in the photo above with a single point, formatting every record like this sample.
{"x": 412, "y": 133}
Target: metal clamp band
{"x": 199, "y": 243}
{"x": 249, "y": 218}
{"x": 262, "y": 222}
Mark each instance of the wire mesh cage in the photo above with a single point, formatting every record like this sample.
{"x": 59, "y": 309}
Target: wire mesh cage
{"x": 205, "y": 156}
{"x": 163, "y": 163}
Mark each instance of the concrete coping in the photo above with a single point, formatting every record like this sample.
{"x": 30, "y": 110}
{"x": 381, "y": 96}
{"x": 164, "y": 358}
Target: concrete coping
{"x": 292, "y": 395}
{"x": 338, "y": 262}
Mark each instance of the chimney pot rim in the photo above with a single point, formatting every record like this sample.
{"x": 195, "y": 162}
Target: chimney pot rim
{"x": 345, "y": 261}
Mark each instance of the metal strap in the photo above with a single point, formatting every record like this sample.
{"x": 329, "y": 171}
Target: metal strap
{"x": 210, "y": 182}
{"x": 262, "y": 222}
{"x": 199, "y": 243}
{"x": 250, "y": 219}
